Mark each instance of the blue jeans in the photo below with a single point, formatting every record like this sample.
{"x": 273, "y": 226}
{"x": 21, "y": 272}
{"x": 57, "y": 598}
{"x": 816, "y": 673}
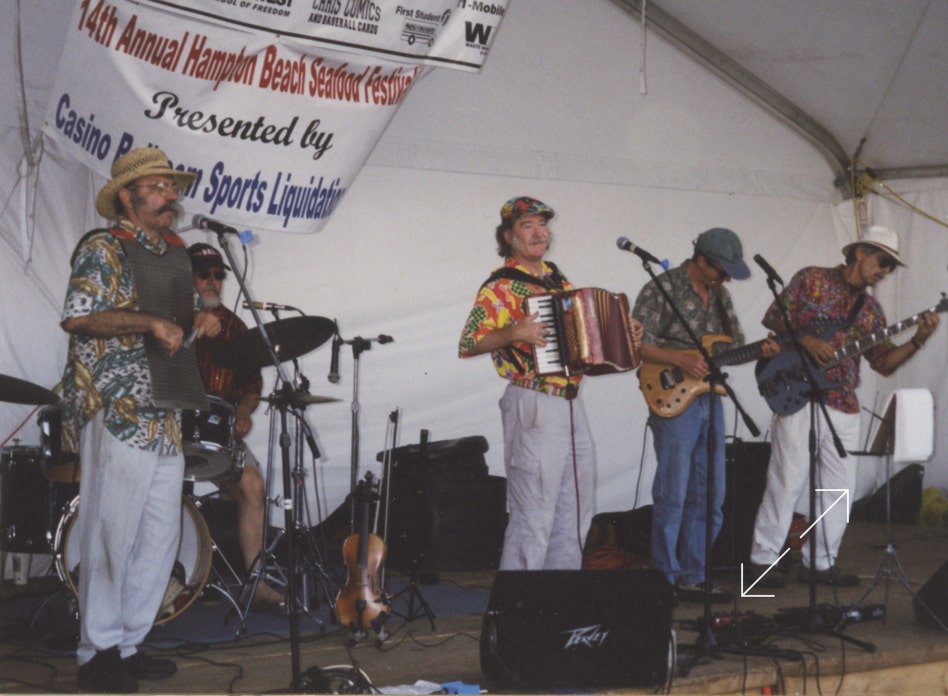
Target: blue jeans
{"x": 679, "y": 491}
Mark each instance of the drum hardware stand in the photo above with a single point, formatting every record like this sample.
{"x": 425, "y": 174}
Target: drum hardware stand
{"x": 414, "y": 594}
{"x": 286, "y": 403}
{"x": 223, "y": 584}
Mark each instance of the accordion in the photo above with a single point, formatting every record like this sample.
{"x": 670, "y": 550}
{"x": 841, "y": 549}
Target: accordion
{"x": 588, "y": 330}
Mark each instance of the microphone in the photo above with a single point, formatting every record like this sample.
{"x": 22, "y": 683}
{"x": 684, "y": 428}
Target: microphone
{"x": 626, "y": 245}
{"x": 333, "y": 375}
{"x": 771, "y": 273}
{"x": 202, "y": 222}
{"x": 268, "y": 306}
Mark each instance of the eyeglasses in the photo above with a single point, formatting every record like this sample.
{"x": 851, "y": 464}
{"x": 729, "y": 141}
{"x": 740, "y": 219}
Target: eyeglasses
{"x": 162, "y": 187}
{"x": 204, "y": 275}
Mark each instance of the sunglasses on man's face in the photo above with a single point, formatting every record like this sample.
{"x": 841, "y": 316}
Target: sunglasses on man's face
{"x": 217, "y": 274}
{"x": 886, "y": 262}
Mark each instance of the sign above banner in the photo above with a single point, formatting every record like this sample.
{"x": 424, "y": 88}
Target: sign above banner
{"x": 276, "y": 129}
{"x": 442, "y": 33}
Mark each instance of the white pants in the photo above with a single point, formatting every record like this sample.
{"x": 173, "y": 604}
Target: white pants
{"x": 129, "y": 526}
{"x": 788, "y": 478}
{"x": 548, "y": 518}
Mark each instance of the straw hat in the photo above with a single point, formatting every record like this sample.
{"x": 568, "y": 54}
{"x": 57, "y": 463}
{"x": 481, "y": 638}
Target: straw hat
{"x": 135, "y": 164}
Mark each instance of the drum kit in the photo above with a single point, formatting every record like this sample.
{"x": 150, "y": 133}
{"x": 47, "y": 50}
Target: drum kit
{"x": 39, "y": 486}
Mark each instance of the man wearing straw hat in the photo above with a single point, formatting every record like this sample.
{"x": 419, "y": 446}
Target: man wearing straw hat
{"x": 128, "y": 307}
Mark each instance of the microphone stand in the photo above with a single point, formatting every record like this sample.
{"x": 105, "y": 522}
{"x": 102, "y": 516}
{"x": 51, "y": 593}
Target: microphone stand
{"x": 716, "y": 377}
{"x": 359, "y": 346}
{"x": 287, "y": 402}
{"x": 814, "y": 623}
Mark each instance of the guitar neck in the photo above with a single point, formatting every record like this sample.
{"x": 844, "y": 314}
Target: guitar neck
{"x": 860, "y": 345}
{"x": 752, "y": 350}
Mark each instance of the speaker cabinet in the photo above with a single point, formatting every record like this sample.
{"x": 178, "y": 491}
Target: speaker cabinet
{"x": 444, "y": 512}
{"x": 746, "y": 474}
{"x": 933, "y": 595}
{"x": 582, "y": 629}
{"x": 446, "y": 524}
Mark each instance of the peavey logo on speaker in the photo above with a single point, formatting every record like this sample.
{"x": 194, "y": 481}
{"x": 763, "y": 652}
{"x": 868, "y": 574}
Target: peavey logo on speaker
{"x": 588, "y": 636}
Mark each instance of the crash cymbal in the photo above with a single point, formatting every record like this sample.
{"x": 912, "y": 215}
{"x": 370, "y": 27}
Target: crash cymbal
{"x": 19, "y": 391}
{"x": 291, "y": 338}
{"x": 305, "y": 399}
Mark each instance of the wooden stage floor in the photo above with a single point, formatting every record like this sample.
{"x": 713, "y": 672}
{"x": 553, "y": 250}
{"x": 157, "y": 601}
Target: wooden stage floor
{"x": 908, "y": 658}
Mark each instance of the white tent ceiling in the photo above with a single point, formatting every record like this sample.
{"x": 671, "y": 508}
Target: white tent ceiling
{"x": 866, "y": 77}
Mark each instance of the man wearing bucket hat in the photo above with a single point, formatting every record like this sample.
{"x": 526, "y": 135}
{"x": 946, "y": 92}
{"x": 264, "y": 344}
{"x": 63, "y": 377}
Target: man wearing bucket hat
{"x": 241, "y": 389}
{"x": 835, "y": 295}
{"x": 680, "y": 487}
{"x": 548, "y": 449}
{"x": 128, "y": 306}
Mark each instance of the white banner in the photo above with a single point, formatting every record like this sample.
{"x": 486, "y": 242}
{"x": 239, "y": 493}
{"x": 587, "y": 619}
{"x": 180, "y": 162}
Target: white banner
{"x": 275, "y": 129}
{"x": 444, "y": 33}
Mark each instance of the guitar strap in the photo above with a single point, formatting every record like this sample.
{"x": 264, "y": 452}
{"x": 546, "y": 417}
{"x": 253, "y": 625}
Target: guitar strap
{"x": 556, "y": 281}
{"x": 854, "y": 310}
{"x": 726, "y": 326}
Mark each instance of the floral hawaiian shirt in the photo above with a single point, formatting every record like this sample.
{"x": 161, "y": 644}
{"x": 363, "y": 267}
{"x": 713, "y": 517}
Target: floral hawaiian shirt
{"x": 499, "y": 304}
{"x": 111, "y": 374}
{"x": 822, "y": 294}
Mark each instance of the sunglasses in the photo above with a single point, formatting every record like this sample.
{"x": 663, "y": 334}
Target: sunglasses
{"x": 886, "y": 262}
{"x": 218, "y": 274}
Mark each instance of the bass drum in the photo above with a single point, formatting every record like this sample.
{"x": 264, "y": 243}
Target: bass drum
{"x": 188, "y": 577}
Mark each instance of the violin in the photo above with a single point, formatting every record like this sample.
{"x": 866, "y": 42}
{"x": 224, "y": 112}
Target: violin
{"x": 363, "y": 602}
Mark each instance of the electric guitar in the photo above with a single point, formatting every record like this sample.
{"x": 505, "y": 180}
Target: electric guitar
{"x": 782, "y": 380}
{"x": 668, "y": 390}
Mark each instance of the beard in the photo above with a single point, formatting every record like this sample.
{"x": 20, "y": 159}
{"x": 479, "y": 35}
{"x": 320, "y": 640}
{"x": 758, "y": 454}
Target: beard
{"x": 210, "y": 301}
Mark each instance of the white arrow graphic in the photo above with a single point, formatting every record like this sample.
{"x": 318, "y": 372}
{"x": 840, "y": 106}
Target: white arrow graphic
{"x": 844, "y": 493}
{"x": 751, "y": 586}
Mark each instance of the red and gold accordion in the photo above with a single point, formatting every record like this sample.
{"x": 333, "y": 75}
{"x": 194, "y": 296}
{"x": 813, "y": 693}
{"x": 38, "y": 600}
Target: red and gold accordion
{"x": 588, "y": 331}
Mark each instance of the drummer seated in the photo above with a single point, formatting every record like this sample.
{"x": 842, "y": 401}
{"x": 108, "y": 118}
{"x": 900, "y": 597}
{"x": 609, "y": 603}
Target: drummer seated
{"x": 239, "y": 386}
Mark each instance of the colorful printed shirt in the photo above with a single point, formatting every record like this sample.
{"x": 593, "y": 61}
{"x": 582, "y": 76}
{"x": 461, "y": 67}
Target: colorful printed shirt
{"x": 229, "y": 384}
{"x": 661, "y": 326}
{"x": 499, "y": 304}
{"x": 111, "y": 373}
{"x": 823, "y": 294}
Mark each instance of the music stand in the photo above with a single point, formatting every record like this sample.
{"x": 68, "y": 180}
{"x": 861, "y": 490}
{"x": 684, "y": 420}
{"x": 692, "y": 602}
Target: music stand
{"x": 905, "y": 434}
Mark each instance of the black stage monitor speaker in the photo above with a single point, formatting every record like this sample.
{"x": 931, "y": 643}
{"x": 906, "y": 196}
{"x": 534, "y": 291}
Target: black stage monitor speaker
{"x": 746, "y": 472}
{"x": 933, "y": 599}
{"x": 578, "y": 629}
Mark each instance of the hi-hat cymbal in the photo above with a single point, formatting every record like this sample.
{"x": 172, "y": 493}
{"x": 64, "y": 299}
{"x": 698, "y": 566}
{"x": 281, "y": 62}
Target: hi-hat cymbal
{"x": 305, "y": 399}
{"x": 19, "y": 391}
{"x": 291, "y": 338}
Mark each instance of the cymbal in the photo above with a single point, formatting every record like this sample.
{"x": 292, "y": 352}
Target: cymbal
{"x": 291, "y": 338}
{"x": 305, "y": 399}
{"x": 19, "y": 391}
